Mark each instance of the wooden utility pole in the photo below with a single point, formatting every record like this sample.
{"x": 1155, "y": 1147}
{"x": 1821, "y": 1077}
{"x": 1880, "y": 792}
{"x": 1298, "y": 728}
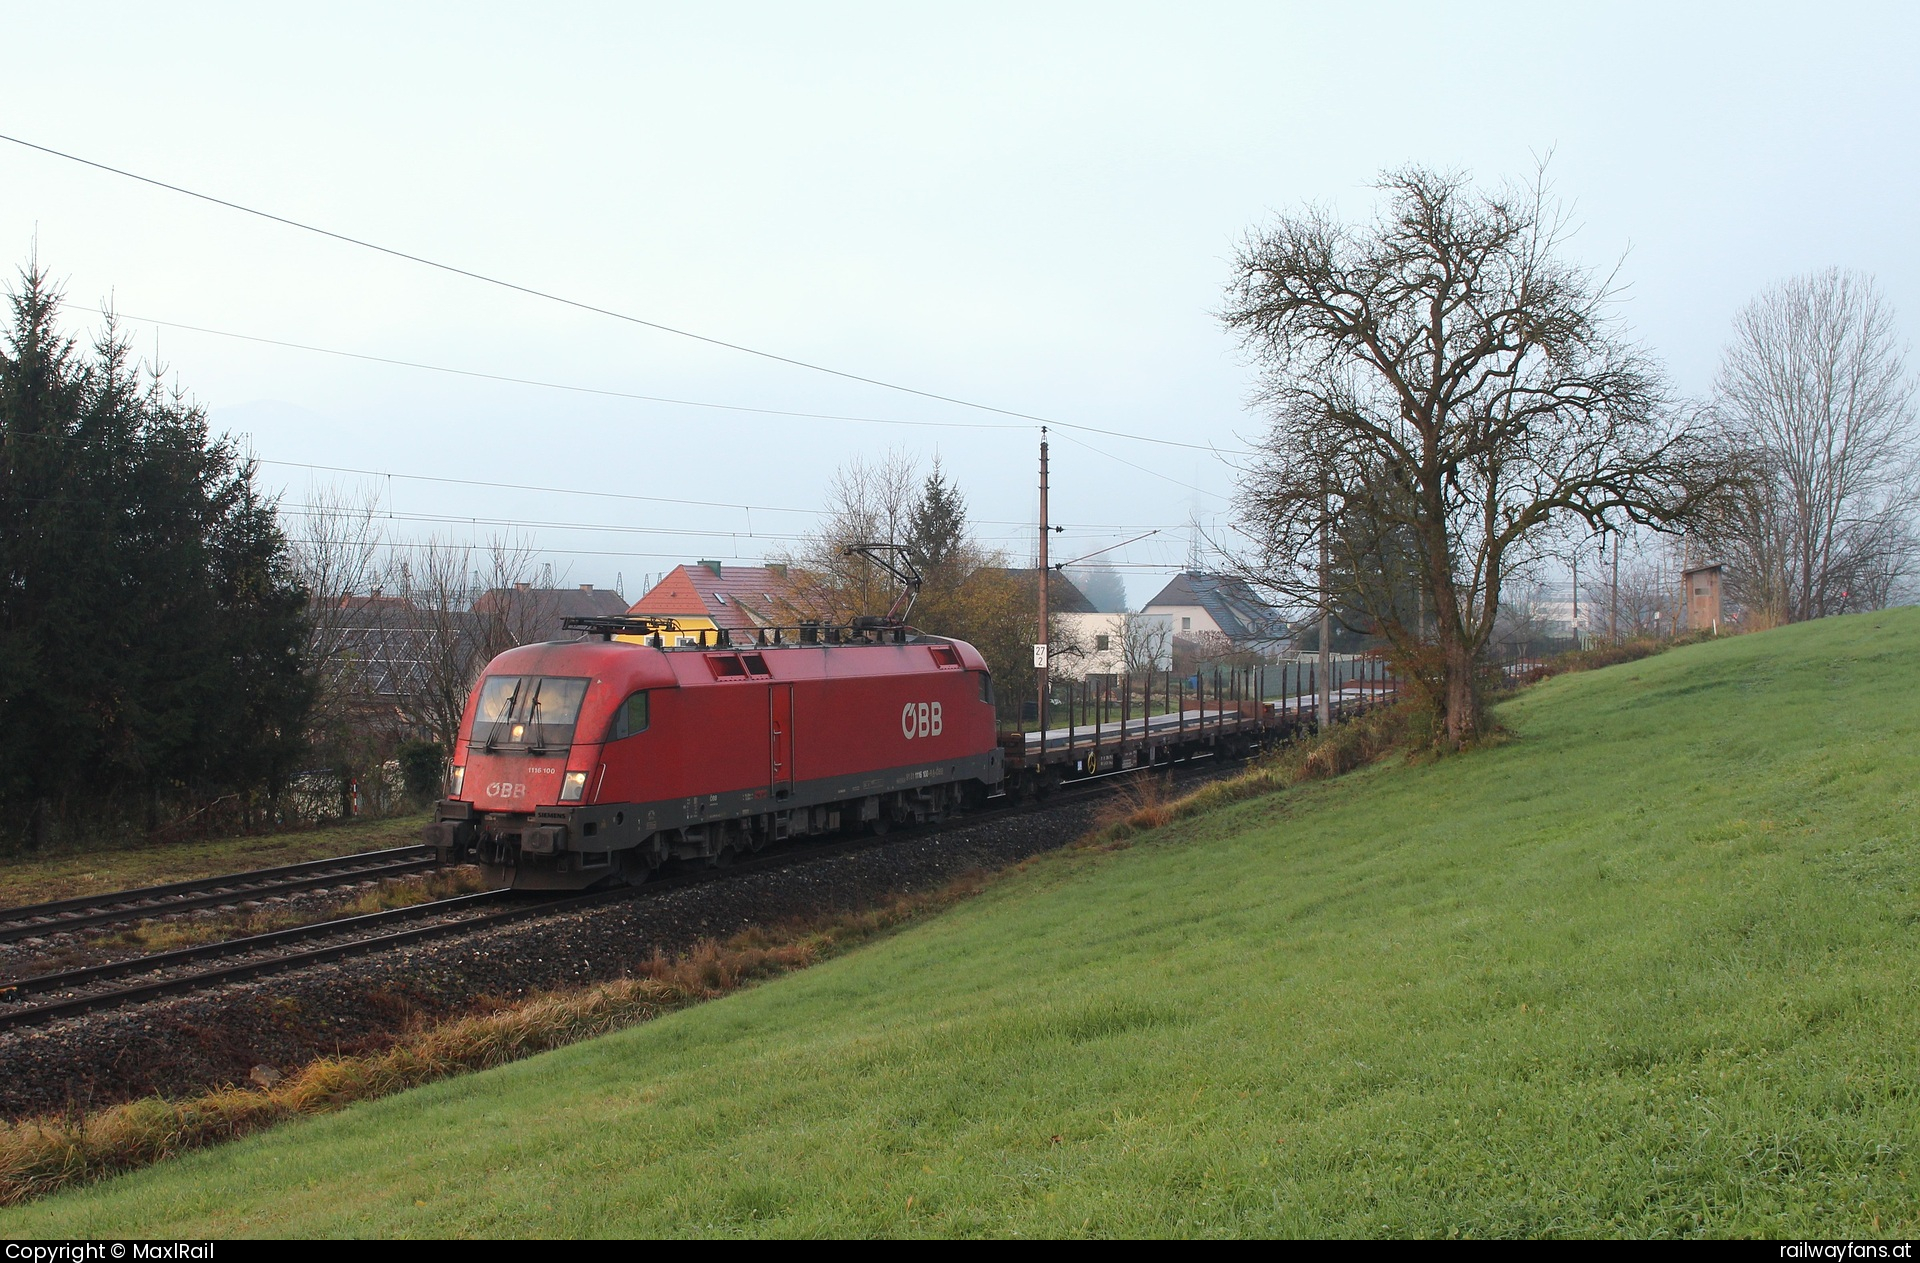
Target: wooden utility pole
{"x": 1576, "y": 592}
{"x": 1613, "y": 605}
{"x": 1324, "y": 708}
{"x": 1040, "y": 647}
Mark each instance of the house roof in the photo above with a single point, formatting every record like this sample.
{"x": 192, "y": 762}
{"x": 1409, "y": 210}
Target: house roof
{"x": 738, "y": 598}
{"x": 585, "y": 601}
{"x": 1229, "y": 601}
{"x": 1063, "y": 597}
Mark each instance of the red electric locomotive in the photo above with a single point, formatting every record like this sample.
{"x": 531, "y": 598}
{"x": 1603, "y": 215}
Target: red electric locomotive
{"x": 582, "y": 762}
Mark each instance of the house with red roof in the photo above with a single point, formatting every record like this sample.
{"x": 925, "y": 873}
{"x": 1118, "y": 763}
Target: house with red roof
{"x": 713, "y": 594}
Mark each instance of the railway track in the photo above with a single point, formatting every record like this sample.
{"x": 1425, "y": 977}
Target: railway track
{"x": 77, "y": 991}
{"x": 145, "y": 903}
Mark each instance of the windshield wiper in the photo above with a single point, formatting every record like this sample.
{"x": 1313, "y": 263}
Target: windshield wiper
{"x": 533, "y": 721}
{"x": 513, "y": 699}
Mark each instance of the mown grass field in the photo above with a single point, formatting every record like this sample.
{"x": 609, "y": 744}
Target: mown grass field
{"x": 1647, "y": 968}
{"x": 68, "y": 874}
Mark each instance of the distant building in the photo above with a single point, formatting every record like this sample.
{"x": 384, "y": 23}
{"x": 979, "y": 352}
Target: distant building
{"x": 1063, "y": 597}
{"x": 712, "y": 594}
{"x": 532, "y": 614}
{"x": 1701, "y": 587}
{"x": 377, "y": 654}
{"x": 1090, "y": 641}
{"x": 1223, "y": 610}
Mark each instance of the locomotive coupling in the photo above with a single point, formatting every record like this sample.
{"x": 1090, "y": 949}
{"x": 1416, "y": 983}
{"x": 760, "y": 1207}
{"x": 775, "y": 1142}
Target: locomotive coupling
{"x": 452, "y": 833}
{"x": 546, "y": 839}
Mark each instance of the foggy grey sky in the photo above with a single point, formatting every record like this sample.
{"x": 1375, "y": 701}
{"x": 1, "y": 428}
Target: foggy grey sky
{"x": 1028, "y": 206}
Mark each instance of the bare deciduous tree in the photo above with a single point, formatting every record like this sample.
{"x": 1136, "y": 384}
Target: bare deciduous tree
{"x": 867, "y": 502}
{"x": 1445, "y": 390}
{"x": 451, "y": 620}
{"x": 1146, "y": 643}
{"x": 1634, "y": 588}
{"x": 1815, "y": 390}
{"x": 336, "y": 545}
{"x": 336, "y": 549}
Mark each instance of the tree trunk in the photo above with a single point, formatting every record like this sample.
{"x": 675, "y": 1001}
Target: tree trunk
{"x": 1463, "y": 699}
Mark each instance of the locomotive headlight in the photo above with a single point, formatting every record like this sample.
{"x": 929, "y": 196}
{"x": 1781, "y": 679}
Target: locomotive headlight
{"x": 573, "y": 787}
{"x": 455, "y": 780}
{"x": 519, "y": 732}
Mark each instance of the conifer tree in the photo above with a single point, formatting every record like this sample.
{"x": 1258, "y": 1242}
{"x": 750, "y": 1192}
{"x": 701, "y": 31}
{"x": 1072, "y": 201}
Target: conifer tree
{"x": 149, "y": 618}
{"x": 937, "y": 527}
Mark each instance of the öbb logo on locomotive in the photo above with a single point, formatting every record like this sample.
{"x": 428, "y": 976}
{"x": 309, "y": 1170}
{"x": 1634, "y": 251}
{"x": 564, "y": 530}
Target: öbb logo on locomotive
{"x": 598, "y": 761}
{"x": 920, "y": 719}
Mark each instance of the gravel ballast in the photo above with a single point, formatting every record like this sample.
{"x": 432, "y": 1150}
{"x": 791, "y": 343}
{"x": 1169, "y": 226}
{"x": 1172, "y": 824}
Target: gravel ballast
{"x": 185, "y": 1044}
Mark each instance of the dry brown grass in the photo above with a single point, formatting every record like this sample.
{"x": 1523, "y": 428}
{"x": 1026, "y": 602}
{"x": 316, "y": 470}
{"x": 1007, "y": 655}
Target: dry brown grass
{"x": 1355, "y": 743}
{"x": 1139, "y": 803}
{"x": 1605, "y": 655}
{"x": 41, "y": 1155}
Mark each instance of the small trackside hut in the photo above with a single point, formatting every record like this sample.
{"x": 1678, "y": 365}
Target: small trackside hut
{"x": 596, "y": 761}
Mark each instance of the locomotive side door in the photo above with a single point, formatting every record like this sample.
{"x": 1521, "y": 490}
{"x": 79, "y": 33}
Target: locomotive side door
{"x": 780, "y": 739}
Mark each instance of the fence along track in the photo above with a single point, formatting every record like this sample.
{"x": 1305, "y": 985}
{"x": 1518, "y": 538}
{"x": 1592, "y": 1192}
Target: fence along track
{"x": 34, "y": 920}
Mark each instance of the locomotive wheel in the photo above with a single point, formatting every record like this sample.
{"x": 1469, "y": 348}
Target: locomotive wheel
{"x": 880, "y": 825}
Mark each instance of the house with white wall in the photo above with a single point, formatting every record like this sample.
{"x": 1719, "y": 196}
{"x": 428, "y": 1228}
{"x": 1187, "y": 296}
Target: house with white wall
{"x": 1221, "y": 609}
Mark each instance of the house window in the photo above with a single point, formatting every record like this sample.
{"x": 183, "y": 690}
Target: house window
{"x": 1186, "y": 624}
{"x": 1103, "y": 643}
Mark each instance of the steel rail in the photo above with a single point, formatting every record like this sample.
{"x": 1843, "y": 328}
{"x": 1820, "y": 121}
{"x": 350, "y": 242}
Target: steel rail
{"x": 32, "y": 920}
{"x": 199, "y": 981}
{"x": 68, "y": 979}
{"x": 786, "y": 857}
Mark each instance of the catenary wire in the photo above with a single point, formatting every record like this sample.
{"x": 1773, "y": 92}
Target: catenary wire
{"x": 578, "y": 304}
{"x": 546, "y": 385}
{"x": 1143, "y": 469}
{"x": 625, "y": 495}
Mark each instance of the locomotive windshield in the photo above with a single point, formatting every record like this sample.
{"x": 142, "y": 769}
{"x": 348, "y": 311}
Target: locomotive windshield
{"x": 535, "y": 713}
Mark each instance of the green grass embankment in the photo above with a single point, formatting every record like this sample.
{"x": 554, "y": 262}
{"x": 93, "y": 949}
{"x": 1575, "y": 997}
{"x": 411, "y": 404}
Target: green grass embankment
{"x": 1648, "y": 967}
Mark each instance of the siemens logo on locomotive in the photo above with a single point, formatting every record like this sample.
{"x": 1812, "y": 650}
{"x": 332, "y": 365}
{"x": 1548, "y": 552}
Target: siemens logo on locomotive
{"x": 920, "y": 719}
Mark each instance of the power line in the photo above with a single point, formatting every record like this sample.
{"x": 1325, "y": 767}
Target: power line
{"x": 1143, "y": 469}
{"x": 546, "y": 385}
{"x": 513, "y": 486}
{"x": 620, "y": 495}
{"x": 452, "y": 519}
{"x": 623, "y": 495}
{"x": 564, "y": 552}
{"x": 577, "y": 304}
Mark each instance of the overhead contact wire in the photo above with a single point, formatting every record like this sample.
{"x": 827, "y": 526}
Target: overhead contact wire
{"x": 580, "y": 305}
